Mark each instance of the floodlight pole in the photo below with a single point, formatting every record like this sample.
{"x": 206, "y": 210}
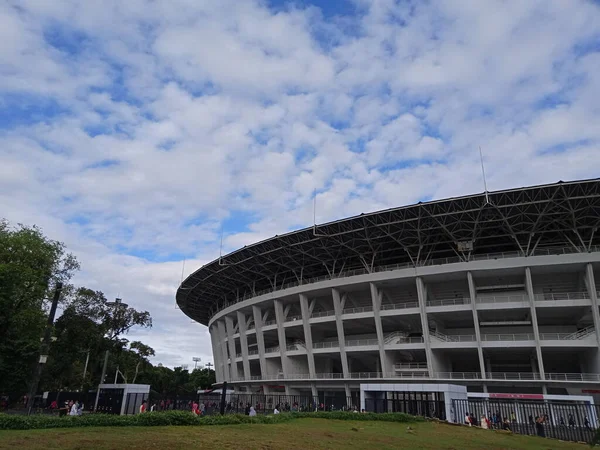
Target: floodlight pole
{"x": 44, "y": 348}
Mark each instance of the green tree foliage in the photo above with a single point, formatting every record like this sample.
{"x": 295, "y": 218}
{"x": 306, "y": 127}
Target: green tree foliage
{"x": 30, "y": 266}
{"x": 90, "y": 324}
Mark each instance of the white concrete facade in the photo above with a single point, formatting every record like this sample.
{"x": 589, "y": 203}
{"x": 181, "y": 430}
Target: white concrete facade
{"x": 504, "y": 324}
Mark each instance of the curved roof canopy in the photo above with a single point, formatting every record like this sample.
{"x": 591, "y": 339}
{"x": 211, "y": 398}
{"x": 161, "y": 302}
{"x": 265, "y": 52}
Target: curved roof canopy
{"x": 525, "y": 220}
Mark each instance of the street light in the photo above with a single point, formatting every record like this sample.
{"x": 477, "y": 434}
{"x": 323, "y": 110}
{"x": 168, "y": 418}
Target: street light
{"x": 117, "y": 305}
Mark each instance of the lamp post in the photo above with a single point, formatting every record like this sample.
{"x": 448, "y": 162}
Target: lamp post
{"x": 44, "y": 349}
{"x": 117, "y": 305}
{"x": 196, "y": 360}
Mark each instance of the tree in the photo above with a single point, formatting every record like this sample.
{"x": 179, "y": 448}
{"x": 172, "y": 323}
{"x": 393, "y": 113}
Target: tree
{"x": 30, "y": 266}
{"x": 90, "y": 325}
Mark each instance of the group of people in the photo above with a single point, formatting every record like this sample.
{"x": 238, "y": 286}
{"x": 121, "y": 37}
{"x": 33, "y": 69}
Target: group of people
{"x": 71, "y": 408}
{"x": 489, "y": 422}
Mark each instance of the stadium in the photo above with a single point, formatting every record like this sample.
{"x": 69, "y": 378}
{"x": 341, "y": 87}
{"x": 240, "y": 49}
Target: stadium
{"x": 495, "y": 291}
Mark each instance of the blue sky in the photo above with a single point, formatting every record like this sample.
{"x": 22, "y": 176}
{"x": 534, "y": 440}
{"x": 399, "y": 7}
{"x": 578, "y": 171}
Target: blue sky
{"x": 137, "y": 131}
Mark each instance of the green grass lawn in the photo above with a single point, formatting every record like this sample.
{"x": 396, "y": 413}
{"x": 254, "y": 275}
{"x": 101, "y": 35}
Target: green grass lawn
{"x": 298, "y": 434}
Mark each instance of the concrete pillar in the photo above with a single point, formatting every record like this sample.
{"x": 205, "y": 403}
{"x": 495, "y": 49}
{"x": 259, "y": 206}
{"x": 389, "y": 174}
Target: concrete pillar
{"x": 534, "y": 322}
{"x": 260, "y": 340}
{"x": 590, "y": 284}
{"x": 241, "y": 317}
{"x": 473, "y": 295}
{"x": 280, "y": 318}
{"x": 376, "y": 296}
{"x": 216, "y": 349}
{"x": 307, "y": 335}
{"x": 232, "y": 353}
{"x": 337, "y": 306}
{"x": 422, "y": 295}
{"x": 223, "y": 345}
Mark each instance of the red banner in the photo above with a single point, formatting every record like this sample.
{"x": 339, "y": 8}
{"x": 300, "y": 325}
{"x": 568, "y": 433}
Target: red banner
{"x": 519, "y": 396}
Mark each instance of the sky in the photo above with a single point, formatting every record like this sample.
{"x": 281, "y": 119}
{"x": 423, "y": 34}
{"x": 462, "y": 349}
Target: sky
{"x": 137, "y": 132}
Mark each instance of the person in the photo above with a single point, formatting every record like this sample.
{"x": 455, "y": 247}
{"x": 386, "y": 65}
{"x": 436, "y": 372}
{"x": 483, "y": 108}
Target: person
{"x": 152, "y": 407}
{"x": 539, "y": 427}
{"x": 506, "y": 425}
{"x": 74, "y": 408}
{"x": 484, "y": 422}
{"x": 467, "y": 419}
{"x": 143, "y": 407}
{"x": 252, "y": 412}
{"x": 513, "y": 417}
{"x": 195, "y": 408}
{"x": 586, "y": 423}
{"x": 276, "y": 411}
{"x": 202, "y": 407}
{"x": 80, "y": 409}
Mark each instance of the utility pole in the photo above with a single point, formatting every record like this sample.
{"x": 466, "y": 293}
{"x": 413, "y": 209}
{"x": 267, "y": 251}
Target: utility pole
{"x": 87, "y": 360}
{"x": 44, "y": 348}
{"x": 101, "y": 380}
{"x": 117, "y": 305}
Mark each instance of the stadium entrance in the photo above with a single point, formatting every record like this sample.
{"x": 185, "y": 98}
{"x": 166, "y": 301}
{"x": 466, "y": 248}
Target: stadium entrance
{"x": 428, "y": 400}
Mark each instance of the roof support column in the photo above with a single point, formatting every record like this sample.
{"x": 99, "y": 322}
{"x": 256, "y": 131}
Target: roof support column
{"x": 337, "y": 306}
{"x": 422, "y": 294}
{"x": 241, "y": 317}
{"x": 307, "y": 335}
{"x": 376, "y": 296}
{"x": 280, "y": 318}
{"x": 223, "y": 345}
{"x": 214, "y": 339}
{"x": 260, "y": 341}
{"x": 473, "y": 295}
{"x": 534, "y": 322}
{"x": 232, "y": 352}
{"x": 590, "y": 283}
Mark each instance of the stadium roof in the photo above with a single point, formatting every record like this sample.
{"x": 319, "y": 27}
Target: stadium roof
{"x": 524, "y": 220}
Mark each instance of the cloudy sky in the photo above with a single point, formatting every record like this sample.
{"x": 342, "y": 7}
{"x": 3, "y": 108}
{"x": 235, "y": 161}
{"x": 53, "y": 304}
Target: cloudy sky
{"x": 134, "y": 131}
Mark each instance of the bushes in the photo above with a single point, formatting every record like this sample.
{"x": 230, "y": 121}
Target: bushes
{"x": 178, "y": 418}
{"x": 341, "y": 415}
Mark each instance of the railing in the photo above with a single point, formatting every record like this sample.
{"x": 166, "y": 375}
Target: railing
{"x": 357, "y": 310}
{"x": 562, "y": 296}
{"x": 503, "y": 298}
{"x": 396, "y": 335}
{"x": 411, "y": 366}
{"x": 452, "y": 338}
{"x": 357, "y": 342}
{"x": 495, "y": 376}
{"x": 322, "y": 314}
{"x": 508, "y": 337}
{"x": 252, "y": 352}
{"x": 250, "y": 326}
{"x": 386, "y": 307}
{"x": 449, "y": 301}
{"x": 593, "y": 377}
{"x": 293, "y": 318}
{"x": 513, "y": 376}
{"x": 440, "y": 261}
{"x": 297, "y": 346}
{"x": 272, "y": 350}
{"x": 330, "y": 344}
{"x": 408, "y": 340}
{"x": 458, "y": 375}
{"x": 269, "y": 322}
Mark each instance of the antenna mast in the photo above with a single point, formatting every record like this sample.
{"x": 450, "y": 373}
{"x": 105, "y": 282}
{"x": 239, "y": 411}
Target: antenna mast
{"x": 487, "y": 200}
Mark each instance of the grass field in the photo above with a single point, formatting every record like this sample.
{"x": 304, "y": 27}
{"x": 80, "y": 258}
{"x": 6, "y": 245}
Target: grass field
{"x": 298, "y": 434}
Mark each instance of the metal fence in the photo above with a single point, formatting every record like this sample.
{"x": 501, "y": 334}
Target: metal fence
{"x": 568, "y": 421}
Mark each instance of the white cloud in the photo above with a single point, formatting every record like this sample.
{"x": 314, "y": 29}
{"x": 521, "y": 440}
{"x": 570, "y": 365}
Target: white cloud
{"x": 134, "y": 131}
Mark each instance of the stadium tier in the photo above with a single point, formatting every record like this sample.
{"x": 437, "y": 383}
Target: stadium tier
{"x": 495, "y": 291}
